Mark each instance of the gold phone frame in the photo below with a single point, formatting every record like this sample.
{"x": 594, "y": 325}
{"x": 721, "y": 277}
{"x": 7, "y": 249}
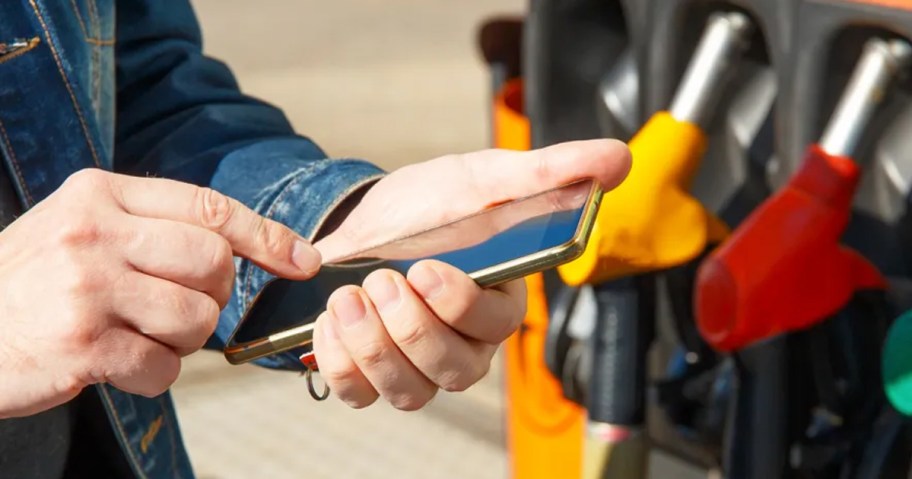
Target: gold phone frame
{"x": 299, "y": 336}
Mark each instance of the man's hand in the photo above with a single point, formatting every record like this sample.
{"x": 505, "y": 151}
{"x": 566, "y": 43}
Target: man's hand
{"x": 404, "y": 338}
{"x": 115, "y": 278}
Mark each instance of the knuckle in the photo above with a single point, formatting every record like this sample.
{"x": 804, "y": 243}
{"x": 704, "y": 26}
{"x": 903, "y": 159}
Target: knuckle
{"x": 357, "y": 401}
{"x": 411, "y": 401}
{"x": 86, "y": 178}
{"x": 221, "y": 260}
{"x": 170, "y": 370}
{"x": 79, "y": 330}
{"x": 469, "y": 295}
{"x": 82, "y": 281}
{"x": 199, "y": 314}
{"x": 272, "y": 237}
{"x": 462, "y": 307}
{"x": 336, "y": 377}
{"x": 519, "y": 315}
{"x": 370, "y": 354}
{"x": 214, "y": 209}
{"x": 70, "y": 384}
{"x": 97, "y": 374}
{"x": 79, "y": 231}
{"x": 457, "y": 381}
{"x": 221, "y": 273}
{"x": 207, "y": 320}
{"x": 412, "y": 333}
{"x": 178, "y": 302}
{"x": 466, "y": 377}
{"x": 454, "y": 383}
{"x": 508, "y": 325}
{"x": 480, "y": 370}
{"x": 516, "y": 317}
{"x": 210, "y": 315}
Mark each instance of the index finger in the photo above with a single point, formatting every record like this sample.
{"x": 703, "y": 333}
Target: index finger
{"x": 514, "y": 174}
{"x": 270, "y": 244}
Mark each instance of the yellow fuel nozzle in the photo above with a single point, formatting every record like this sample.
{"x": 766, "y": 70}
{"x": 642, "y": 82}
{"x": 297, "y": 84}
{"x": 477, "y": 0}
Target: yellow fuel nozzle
{"x": 651, "y": 222}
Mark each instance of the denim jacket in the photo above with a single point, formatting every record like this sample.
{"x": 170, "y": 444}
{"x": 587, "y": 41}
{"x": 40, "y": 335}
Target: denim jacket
{"x": 80, "y": 65}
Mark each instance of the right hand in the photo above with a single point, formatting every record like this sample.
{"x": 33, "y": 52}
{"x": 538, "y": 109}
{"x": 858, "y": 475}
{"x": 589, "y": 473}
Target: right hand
{"x": 112, "y": 279}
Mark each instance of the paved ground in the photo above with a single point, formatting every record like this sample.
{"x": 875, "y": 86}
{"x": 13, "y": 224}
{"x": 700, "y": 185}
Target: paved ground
{"x": 393, "y": 81}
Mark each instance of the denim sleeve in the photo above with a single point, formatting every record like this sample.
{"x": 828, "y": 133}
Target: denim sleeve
{"x": 181, "y": 115}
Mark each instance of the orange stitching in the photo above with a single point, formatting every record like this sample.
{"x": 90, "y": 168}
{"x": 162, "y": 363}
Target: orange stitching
{"x": 123, "y": 434}
{"x": 32, "y": 43}
{"x": 66, "y": 82}
{"x": 85, "y": 32}
{"x": 149, "y": 436}
{"x": 15, "y": 162}
{"x": 93, "y": 17}
{"x": 95, "y": 41}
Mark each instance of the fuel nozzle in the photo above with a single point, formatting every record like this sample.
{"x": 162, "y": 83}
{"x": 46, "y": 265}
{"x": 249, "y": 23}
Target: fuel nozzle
{"x": 784, "y": 269}
{"x": 651, "y": 222}
{"x": 897, "y": 364}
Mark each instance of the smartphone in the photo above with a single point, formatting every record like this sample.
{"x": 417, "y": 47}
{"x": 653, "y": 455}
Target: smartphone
{"x": 498, "y": 244}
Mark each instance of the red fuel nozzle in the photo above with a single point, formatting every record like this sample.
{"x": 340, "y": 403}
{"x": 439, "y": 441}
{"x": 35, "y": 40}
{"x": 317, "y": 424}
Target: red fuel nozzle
{"x": 784, "y": 269}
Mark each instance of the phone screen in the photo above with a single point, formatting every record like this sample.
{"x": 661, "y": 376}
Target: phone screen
{"x": 497, "y": 235}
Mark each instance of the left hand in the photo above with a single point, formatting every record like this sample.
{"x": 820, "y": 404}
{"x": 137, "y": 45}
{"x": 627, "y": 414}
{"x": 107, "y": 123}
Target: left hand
{"x": 405, "y": 338}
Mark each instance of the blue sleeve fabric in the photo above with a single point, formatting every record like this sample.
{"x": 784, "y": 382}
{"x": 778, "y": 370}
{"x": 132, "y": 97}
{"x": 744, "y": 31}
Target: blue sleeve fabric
{"x": 181, "y": 115}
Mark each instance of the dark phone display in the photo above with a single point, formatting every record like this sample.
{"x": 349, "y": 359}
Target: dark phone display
{"x": 508, "y": 232}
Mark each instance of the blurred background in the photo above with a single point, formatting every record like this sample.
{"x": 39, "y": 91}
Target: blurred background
{"x": 393, "y": 82}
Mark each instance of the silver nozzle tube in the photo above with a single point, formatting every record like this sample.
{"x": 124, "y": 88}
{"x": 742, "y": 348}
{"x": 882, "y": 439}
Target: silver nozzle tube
{"x": 880, "y": 63}
{"x": 724, "y": 40}
{"x": 620, "y": 93}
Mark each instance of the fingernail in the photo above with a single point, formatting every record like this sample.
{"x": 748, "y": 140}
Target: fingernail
{"x": 383, "y": 292}
{"x": 349, "y": 309}
{"x": 426, "y": 281}
{"x": 305, "y": 257}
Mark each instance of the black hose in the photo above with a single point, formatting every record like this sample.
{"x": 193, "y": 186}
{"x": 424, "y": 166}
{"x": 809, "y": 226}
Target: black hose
{"x": 756, "y": 434}
{"x": 623, "y": 332}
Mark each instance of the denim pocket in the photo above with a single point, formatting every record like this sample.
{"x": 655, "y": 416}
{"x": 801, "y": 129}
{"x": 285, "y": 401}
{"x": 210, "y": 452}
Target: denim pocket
{"x": 13, "y": 48}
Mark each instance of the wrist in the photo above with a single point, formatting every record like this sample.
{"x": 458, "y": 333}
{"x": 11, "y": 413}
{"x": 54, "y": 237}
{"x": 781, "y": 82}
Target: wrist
{"x": 341, "y": 210}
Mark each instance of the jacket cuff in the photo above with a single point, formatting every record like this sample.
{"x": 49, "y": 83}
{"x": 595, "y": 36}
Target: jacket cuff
{"x": 273, "y": 180}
